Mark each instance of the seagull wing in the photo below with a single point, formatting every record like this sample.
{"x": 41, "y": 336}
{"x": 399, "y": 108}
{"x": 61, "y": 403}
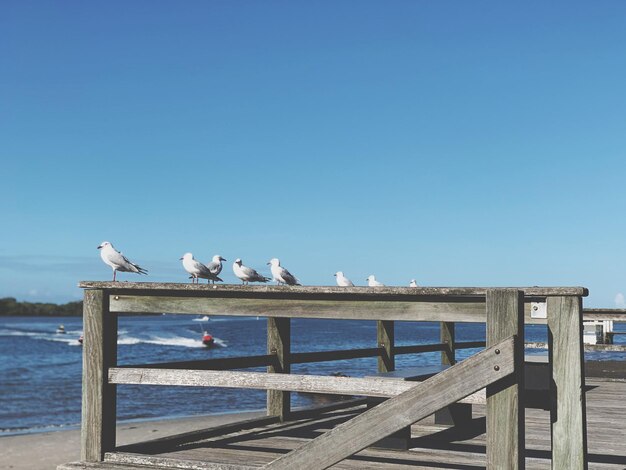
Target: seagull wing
{"x": 124, "y": 264}
{"x": 214, "y": 267}
{"x": 289, "y": 278}
{"x": 253, "y": 275}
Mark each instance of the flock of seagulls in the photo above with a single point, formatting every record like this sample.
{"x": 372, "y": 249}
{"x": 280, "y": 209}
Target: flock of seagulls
{"x": 197, "y": 270}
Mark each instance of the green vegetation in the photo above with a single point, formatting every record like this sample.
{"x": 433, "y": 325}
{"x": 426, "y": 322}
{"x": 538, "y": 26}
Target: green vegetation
{"x": 10, "y": 306}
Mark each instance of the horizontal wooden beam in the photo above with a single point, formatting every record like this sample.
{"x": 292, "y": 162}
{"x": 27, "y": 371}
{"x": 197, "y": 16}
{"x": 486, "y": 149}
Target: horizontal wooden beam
{"x": 370, "y": 387}
{"x": 615, "y": 314}
{"x": 337, "y": 355}
{"x": 418, "y": 348}
{"x": 312, "y": 291}
{"x": 292, "y": 308}
{"x": 470, "y": 344}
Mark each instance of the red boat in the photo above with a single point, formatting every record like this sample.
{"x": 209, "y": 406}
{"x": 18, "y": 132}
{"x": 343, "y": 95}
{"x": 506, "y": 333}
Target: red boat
{"x": 207, "y": 340}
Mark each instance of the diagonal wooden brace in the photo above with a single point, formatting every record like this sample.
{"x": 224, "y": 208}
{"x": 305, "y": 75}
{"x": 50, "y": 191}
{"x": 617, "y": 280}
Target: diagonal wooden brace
{"x": 455, "y": 383}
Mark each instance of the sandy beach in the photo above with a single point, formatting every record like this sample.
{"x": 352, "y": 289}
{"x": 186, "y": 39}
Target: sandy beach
{"x": 43, "y": 451}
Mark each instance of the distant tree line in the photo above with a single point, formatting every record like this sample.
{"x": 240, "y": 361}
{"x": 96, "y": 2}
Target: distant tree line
{"x": 10, "y": 306}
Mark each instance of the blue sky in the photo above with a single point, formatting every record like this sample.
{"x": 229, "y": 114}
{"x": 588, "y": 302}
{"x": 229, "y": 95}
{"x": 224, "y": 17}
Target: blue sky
{"x": 457, "y": 143}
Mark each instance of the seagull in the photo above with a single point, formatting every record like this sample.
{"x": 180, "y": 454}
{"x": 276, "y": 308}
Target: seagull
{"x": 413, "y": 283}
{"x": 281, "y": 275}
{"x": 372, "y": 282}
{"x": 215, "y": 266}
{"x": 117, "y": 260}
{"x": 247, "y": 274}
{"x": 197, "y": 269}
{"x": 342, "y": 280}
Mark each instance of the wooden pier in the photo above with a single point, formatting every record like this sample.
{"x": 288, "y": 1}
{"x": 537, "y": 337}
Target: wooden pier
{"x": 503, "y": 432}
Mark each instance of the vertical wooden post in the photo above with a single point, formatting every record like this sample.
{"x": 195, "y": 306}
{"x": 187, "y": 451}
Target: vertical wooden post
{"x": 99, "y": 397}
{"x": 446, "y": 335}
{"x": 568, "y": 409}
{"x": 386, "y": 340}
{"x": 279, "y": 344}
{"x": 505, "y": 401}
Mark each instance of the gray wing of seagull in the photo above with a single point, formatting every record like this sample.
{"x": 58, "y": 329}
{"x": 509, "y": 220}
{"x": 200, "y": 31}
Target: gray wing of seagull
{"x": 253, "y": 275}
{"x": 203, "y": 270}
{"x": 124, "y": 264}
{"x": 214, "y": 267}
{"x": 289, "y": 278}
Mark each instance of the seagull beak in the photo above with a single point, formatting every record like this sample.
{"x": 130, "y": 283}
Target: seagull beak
{"x": 99, "y": 246}
{"x": 180, "y": 259}
{"x": 268, "y": 263}
{"x": 223, "y": 259}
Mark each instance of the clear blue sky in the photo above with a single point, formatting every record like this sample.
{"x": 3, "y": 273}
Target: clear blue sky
{"x": 457, "y": 143}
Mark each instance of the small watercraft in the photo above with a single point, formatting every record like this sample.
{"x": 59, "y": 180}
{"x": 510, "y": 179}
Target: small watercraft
{"x": 204, "y": 318}
{"x": 80, "y": 339}
{"x": 61, "y": 329}
{"x": 207, "y": 339}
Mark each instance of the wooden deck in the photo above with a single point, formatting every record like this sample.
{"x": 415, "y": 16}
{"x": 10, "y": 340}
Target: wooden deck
{"x": 433, "y": 446}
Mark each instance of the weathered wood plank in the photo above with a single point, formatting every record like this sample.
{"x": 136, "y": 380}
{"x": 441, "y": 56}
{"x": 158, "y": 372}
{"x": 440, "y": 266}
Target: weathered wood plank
{"x": 392, "y": 415}
{"x": 340, "y": 292}
{"x": 505, "y": 410}
{"x": 151, "y": 461}
{"x": 279, "y": 345}
{"x": 328, "y": 309}
{"x": 385, "y": 337}
{"x": 334, "y": 355}
{"x": 262, "y": 381}
{"x": 446, "y": 335}
{"x": 98, "y": 397}
{"x": 568, "y": 411}
{"x": 163, "y": 443}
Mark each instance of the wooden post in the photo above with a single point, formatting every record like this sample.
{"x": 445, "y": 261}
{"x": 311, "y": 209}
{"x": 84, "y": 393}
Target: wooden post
{"x": 99, "y": 397}
{"x": 505, "y": 401}
{"x": 386, "y": 341}
{"x": 279, "y": 344}
{"x": 568, "y": 410}
{"x": 446, "y": 335}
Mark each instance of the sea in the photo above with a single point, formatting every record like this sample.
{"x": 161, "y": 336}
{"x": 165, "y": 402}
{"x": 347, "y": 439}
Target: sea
{"x": 40, "y": 369}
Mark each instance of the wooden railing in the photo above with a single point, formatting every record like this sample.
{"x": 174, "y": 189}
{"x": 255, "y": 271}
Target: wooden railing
{"x": 499, "y": 367}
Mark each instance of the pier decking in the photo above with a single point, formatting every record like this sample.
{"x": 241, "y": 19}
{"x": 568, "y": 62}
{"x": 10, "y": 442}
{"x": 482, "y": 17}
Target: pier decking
{"x": 503, "y": 433}
{"x": 433, "y": 446}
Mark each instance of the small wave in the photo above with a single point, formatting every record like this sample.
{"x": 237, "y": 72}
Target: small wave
{"x": 220, "y": 342}
{"x": 204, "y": 318}
{"x": 180, "y": 341}
{"x": 36, "y": 429}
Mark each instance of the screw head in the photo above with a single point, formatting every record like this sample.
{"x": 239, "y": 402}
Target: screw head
{"x": 497, "y": 351}
{"x": 496, "y": 368}
{"x": 117, "y": 297}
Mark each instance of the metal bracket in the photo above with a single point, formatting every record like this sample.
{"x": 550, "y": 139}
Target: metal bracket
{"x": 538, "y": 310}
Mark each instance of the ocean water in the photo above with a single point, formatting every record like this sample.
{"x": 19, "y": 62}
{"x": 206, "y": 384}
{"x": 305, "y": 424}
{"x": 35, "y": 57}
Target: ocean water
{"x": 40, "y": 370}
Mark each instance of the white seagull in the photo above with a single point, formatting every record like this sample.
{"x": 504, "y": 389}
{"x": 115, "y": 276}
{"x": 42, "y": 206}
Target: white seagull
{"x": 118, "y": 261}
{"x": 372, "y": 282}
{"x": 342, "y": 280}
{"x": 197, "y": 269}
{"x": 215, "y": 266}
{"x": 413, "y": 283}
{"x": 247, "y": 274}
{"x": 281, "y": 275}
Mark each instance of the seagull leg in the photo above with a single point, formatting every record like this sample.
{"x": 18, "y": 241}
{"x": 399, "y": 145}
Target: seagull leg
{"x": 114, "y": 273}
